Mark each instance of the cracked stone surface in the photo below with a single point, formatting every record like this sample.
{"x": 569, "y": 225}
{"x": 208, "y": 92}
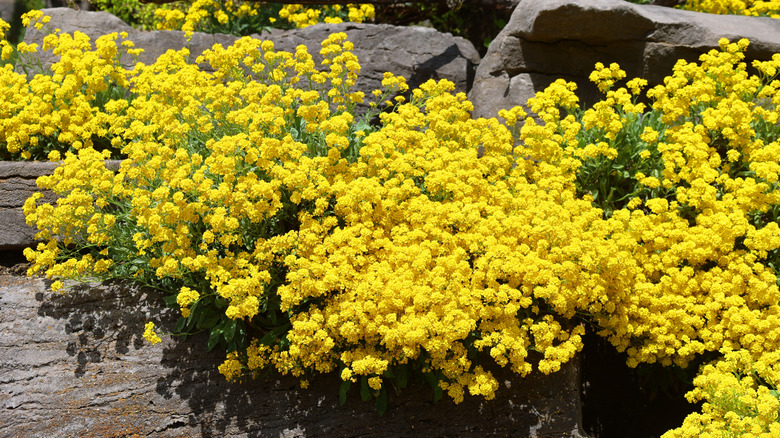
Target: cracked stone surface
{"x": 550, "y": 39}
{"x": 75, "y": 364}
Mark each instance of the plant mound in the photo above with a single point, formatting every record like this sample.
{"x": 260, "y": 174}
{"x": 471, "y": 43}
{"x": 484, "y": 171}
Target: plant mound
{"x": 307, "y": 238}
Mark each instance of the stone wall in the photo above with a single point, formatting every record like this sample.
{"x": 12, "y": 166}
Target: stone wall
{"x": 17, "y": 183}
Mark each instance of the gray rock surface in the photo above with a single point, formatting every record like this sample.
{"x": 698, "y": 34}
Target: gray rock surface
{"x": 550, "y": 39}
{"x": 417, "y": 53}
{"x": 7, "y": 10}
{"x": 76, "y": 365}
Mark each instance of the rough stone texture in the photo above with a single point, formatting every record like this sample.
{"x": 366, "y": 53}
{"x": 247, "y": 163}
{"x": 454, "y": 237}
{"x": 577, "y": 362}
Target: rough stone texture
{"x": 550, "y": 39}
{"x": 417, "y": 53}
{"x": 75, "y": 364}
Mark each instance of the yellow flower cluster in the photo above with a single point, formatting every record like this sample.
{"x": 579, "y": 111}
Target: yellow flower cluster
{"x": 307, "y": 240}
{"x": 65, "y": 109}
{"x": 388, "y": 247}
{"x": 439, "y": 252}
{"x": 769, "y": 8}
{"x": 6, "y": 49}
{"x": 150, "y": 334}
{"x": 301, "y": 16}
{"x": 740, "y": 398}
{"x": 209, "y": 15}
{"x": 694, "y": 248}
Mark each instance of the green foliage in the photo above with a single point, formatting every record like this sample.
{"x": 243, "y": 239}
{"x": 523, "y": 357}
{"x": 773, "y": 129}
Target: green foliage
{"x": 133, "y": 12}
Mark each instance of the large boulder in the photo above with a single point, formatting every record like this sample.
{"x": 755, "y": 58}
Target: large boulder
{"x": 417, "y": 53}
{"x": 75, "y": 364}
{"x": 550, "y": 39}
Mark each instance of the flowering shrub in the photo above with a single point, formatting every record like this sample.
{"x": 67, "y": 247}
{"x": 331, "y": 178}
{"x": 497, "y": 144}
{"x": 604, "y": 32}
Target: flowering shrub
{"x": 740, "y": 398}
{"x": 304, "y": 239}
{"x": 6, "y": 49}
{"x": 690, "y": 189}
{"x": 756, "y": 8}
{"x": 68, "y": 109}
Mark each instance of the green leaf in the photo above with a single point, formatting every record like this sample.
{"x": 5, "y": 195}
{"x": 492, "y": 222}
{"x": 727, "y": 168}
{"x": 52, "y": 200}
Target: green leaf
{"x": 402, "y": 376}
{"x": 240, "y": 332}
{"x": 365, "y": 391}
{"x": 186, "y": 324}
{"x": 343, "y": 391}
{"x": 221, "y": 303}
{"x": 214, "y": 338}
{"x": 181, "y": 324}
{"x": 274, "y": 334}
{"x": 230, "y": 329}
{"x": 437, "y": 393}
{"x": 431, "y": 379}
{"x": 170, "y": 301}
{"x": 208, "y": 318}
{"x": 363, "y": 125}
{"x": 381, "y": 402}
{"x": 208, "y": 322}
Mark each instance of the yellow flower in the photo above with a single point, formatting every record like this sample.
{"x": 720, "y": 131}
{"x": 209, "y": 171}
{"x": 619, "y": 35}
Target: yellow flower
{"x": 150, "y": 334}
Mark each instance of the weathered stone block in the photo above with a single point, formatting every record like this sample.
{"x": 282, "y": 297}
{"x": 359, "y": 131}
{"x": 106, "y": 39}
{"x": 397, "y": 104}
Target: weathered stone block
{"x": 17, "y": 184}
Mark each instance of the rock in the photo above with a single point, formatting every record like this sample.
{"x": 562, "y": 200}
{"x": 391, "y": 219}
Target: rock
{"x": 7, "y": 10}
{"x": 417, "y": 53}
{"x": 414, "y": 52}
{"x": 550, "y": 39}
{"x": 75, "y": 364}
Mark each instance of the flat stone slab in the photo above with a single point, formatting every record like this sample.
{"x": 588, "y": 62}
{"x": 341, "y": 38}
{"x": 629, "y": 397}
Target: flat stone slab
{"x": 76, "y": 364}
